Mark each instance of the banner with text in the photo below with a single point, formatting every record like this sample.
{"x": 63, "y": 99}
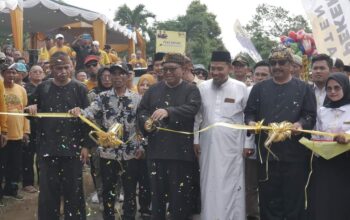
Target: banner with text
{"x": 245, "y": 42}
{"x": 330, "y": 20}
{"x": 170, "y": 41}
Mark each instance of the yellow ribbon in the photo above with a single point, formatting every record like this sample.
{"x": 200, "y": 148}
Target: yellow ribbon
{"x": 276, "y": 131}
{"x": 105, "y": 139}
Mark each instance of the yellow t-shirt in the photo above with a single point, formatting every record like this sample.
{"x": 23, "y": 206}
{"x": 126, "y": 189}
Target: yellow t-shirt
{"x": 113, "y": 58}
{"x": 91, "y": 84}
{"x": 138, "y": 63}
{"x": 44, "y": 54}
{"x": 16, "y": 100}
{"x": 64, "y": 49}
{"x": 3, "y": 118}
{"x": 104, "y": 59}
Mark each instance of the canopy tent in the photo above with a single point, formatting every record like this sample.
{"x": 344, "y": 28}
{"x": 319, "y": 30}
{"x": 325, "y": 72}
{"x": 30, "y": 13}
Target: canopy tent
{"x": 18, "y": 16}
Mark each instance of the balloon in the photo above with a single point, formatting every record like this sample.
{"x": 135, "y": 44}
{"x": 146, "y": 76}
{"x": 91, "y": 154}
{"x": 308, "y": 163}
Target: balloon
{"x": 308, "y": 43}
{"x": 283, "y": 38}
{"x": 293, "y": 35}
{"x": 300, "y": 34}
{"x": 300, "y": 42}
{"x": 295, "y": 47}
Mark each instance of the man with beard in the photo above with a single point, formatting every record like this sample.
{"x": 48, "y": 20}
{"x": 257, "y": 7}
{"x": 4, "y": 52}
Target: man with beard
{"x": 92, "y": 66}
{"x": 62, "y": 142}
{"x": 220, "y": 149}
{"x": 82, "y": 47}
{"x": 173, "y": 104}
{"x": 283, "y": 175}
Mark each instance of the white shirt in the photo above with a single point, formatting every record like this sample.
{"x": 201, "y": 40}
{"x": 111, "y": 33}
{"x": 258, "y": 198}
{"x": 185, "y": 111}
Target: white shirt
{"x": 332, "y": 120}
{"x": 320, "y": 96}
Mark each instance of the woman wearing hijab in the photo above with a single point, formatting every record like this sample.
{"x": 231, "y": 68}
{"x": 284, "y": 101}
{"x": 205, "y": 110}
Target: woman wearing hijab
{"x": 145, "y": 81}
{"x": 330, "y": 187}
{"x": 104, "y": 83}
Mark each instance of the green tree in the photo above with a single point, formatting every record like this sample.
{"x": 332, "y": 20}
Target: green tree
{"x": 269, "y": 23}
{"x": 202, "y": 32}
{"x": 135, "y": 19}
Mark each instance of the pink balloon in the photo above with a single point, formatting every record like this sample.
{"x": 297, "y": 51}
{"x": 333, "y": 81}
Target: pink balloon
{"x": 300, "y": 35}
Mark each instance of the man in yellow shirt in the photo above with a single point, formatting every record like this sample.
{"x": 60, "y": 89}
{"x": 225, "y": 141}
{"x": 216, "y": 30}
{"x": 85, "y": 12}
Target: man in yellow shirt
{"x": 60, "y": 46}
{"x": 113, "y": 57}
{"x": 18, "y": 131}
{"x": 44, "y": 54}
{"x": 95, "y": 50}
{"x": 138, "y": 62}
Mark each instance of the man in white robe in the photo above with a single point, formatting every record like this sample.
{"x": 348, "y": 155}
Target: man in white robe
{"x": 220, "y": 149}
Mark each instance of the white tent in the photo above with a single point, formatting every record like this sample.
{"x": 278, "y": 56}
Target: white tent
{"x": 47, "y": 15}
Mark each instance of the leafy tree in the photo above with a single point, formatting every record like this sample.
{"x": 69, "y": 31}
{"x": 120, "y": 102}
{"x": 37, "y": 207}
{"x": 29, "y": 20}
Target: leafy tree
{"x": 136, "y": 18}
{"x": 269, "y": 23}
{"x": 202, "y": 32}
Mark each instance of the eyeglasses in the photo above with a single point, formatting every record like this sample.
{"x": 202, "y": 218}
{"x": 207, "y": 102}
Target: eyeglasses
{"x": 171, "y": 69}
{"x": 90, "y": 65}
{"x": 279, "y": 62}
{"x": 335, "y": 88}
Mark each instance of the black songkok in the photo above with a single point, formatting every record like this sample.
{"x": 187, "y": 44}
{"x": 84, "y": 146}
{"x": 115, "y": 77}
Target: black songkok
{"x": 159, "y": 56}
{"x": 221, "y": 56}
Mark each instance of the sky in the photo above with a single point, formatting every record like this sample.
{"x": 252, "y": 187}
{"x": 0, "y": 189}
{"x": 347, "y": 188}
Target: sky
{"x": 227, "y": 13}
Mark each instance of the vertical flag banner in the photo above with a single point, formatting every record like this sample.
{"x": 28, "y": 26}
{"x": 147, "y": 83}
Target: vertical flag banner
{"x": 245, "y": 42}
{"x": 330, "y": 20}
{"x": 170, "y": 41}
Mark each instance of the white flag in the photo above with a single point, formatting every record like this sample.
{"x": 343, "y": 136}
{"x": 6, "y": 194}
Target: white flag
{"x": 330, "y": 22}
{"x": 245, "y": 42}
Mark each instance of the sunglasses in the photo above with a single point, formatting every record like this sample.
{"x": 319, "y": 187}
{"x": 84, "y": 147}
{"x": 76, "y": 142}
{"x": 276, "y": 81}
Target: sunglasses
{"x": 90, "y": 65}
{"x": 279, "y": 62}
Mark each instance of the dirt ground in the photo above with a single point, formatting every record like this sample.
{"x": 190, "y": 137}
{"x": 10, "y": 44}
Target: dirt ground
{"x": 27, "y": 209}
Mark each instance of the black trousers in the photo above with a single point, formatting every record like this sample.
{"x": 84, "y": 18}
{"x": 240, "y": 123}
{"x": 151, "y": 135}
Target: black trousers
{"x": 29, "y": 151}
{"x": 11, "y": 163}
{"x": 110, "y": 175}
{"x": 135, "y": 172}
{"x": 171, "y": 181}
{"x": 61, "y": 175}
{"x": 329, "y": 189}
{"x": 282, "y": 195}
{"x": 196, "y": 190}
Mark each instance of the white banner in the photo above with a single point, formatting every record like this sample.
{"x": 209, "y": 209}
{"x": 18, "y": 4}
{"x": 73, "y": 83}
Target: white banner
{"x": 245, "y": 42}
{"x": 330, "y": 20}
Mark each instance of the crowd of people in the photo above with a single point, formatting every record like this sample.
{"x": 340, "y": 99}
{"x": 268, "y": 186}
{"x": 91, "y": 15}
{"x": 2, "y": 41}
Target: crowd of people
{"x": 220, "y": 173}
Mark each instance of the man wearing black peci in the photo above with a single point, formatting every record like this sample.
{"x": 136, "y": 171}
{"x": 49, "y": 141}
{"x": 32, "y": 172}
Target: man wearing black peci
{"x": 173, "y": 104}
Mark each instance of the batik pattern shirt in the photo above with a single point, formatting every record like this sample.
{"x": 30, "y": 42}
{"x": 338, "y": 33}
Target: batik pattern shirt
{"x": 108, "y": 108}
